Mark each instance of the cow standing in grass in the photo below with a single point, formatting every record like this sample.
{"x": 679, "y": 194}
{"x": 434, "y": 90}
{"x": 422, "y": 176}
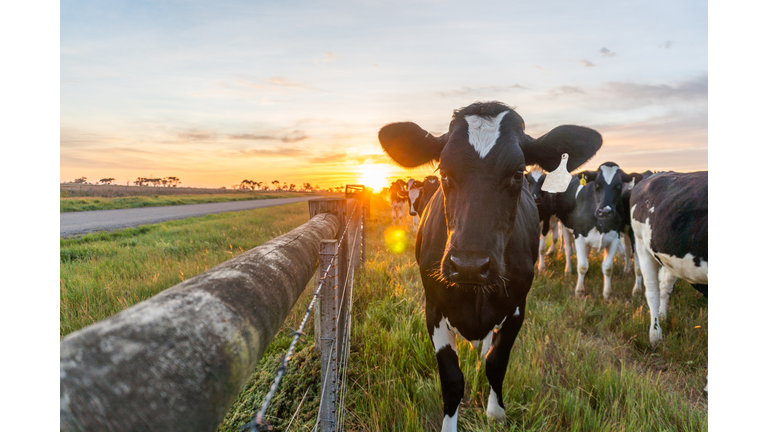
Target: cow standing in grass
{"x": 545, "y": 204}
{"x": 419, "y": 193}
{"x": 398, "y": 201}
{"x": 594, "y": 215}
{"x": 477, "y": 243}
{"x": 670, "y": 222}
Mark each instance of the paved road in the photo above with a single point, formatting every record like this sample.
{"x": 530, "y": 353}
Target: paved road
{"x": 73, "y": 223}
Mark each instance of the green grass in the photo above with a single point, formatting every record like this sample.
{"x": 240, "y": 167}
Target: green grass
{"x": 577, "y": 365}
{"x": 104, "y": 273}
{"x": 101, "y": 203}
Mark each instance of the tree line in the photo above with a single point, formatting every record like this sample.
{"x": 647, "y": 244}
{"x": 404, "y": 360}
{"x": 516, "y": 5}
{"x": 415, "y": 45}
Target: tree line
{"x": 170, "y": 181}
{"x": 257, "y": 185}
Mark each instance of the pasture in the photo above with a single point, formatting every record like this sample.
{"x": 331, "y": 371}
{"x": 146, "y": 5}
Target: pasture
{"x": 73, "y": 198}
{"x": 577, "y": 365}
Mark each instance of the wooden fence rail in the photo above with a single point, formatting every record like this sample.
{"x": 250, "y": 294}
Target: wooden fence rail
{"x": 178, "y": 360}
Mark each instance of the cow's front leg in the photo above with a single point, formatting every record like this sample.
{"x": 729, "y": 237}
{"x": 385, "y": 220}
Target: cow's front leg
{"x": 627, "y": 253}
{"x": 582, "y": 263}
{"x": 544, "y": 228}
{"x": 451, "y": 378}
{"x": 497, "y": 359}
{"x": 608, "y": 255}
{"x": 568, "y": 246}
{"x": 553, "y": 223}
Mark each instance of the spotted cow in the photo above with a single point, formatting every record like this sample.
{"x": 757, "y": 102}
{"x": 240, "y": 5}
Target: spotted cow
{"x": 398, "y": 201}
{"x": 593, "y": 214}
{"x": 545, "y": 203}
{"x": 418, "y": 194}
{"x": 670, "y": 221}
{"x": 477, "y": 243}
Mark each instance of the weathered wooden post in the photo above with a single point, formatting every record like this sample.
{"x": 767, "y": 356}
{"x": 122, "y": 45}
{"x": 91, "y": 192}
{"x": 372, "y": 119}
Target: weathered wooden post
{"x": 326, "y": 315}
{"x": 178, "y": 360}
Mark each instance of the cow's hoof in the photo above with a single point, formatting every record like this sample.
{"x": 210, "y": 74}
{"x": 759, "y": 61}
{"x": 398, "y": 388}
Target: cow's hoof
{"x": 494, "y": 410}
{"x": 655, "y": 337}
{"x": 636, "y": 291}
{"x": 580, "y": 294}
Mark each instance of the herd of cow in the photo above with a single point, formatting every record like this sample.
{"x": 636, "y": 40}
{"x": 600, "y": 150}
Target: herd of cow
{"x": 481, "y": 227}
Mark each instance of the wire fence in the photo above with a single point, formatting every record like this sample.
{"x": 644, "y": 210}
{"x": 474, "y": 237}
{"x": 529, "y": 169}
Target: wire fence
{"x": 344, "y": 254}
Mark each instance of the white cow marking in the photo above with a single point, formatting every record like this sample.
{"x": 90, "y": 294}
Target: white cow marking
{"x": 517, "y": 312}
{"x": 536, "y": 174}
{"x": 444, "y": 335}
{"x": 494, "y": 410}
{"x": 609, "y": 172}
{"x": 450, "y": 423}
{"x": 483, "y": 132}
{"x": 578, "y": 190}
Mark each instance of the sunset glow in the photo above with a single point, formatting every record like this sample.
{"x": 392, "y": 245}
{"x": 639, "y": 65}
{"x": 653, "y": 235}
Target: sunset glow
{"x": 217, "y": 93}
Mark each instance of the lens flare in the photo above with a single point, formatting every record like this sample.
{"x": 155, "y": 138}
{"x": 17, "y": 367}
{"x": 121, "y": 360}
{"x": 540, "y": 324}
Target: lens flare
{"x": 395, "y": 239}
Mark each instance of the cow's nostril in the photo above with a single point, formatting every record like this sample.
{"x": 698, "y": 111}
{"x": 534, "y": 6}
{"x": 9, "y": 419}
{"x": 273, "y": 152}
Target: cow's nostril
{"x": 485, "y": 267}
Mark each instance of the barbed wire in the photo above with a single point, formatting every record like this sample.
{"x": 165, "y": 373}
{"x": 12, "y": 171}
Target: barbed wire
{"x": 258, "y": 424}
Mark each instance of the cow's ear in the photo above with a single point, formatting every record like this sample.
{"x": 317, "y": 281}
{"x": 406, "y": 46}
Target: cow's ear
{"x": 579, "y": 142}
{"x": 588, "y": 175}
{"x": 626, "y": 178}
{"x": 409, "y": 145}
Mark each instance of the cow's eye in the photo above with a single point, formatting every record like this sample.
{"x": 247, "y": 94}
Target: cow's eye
{"x": 444, "y": 178}
{"x": 519, "y": 175}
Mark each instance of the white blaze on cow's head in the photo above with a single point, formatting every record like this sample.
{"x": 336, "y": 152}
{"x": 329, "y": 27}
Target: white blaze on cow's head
{"x": 482, "y": 162}
{"x": 609, "y": 181}
{"x": 415, "y": 189}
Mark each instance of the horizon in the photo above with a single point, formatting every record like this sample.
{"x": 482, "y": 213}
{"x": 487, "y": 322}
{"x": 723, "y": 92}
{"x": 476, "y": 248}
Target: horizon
{"x": 214, "y": 94}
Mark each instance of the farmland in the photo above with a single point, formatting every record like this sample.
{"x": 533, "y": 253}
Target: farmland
{"x": 106, "y": 197}
{"x": 580, "y": 365}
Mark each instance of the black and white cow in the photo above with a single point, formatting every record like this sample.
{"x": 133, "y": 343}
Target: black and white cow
{"x": 419, "y": 194}
{"x": 594, "y": 215}
{"x": 397, "y": 201}
{"x": 670, "y": 221}
{"x": 476, "y": 245}
{"x": 545, "y": 203}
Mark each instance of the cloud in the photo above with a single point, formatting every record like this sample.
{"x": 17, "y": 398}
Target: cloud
{"x": 292, "y": 137}
{"x": 328, "y": 56}
{"x": 273, "y": 152}
{"x": 586, "y": 63}
{"x": 463, "y": 91}
{"x": 694, "y": 89}
{"x": 606, "y": 52}
{"x": 564, "y": 90}
{"x": 196, "y": 136}
{"x": 666, "y": 44}
{"x": 276, "y": 83}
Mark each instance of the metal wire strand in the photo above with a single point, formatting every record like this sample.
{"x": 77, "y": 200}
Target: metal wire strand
{"x": 257, "y": 424}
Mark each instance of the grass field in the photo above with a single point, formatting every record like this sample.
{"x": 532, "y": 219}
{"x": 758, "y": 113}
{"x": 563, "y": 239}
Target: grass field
{"x": 104, "y": 273}
{"x": 100, "y": 203}
{"x": 577, "y": 365}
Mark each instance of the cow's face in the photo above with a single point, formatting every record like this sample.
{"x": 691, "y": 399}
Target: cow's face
{"x": 609, "y": 181}
{"x": 414, "y": 195}
{"x": 482, "y": 161}
{"x": 535, "y": 181}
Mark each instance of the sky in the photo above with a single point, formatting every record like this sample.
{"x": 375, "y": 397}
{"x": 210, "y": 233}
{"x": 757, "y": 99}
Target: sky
{"x": 218, "y": 92}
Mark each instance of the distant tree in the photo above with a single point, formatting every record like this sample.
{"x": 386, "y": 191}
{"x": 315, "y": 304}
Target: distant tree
{"x": 317, "y": 187}
{"x": 292, "y": 187}
{"x": 171, "y": 181}
{"x": 285, "y": 186}
{"x": 81, "y": 180}
{"x": 140, "y": 181}
{"x": 107, "y": 180}
{"x": 277, "y": 184}
{"x": 257, "y": 184}
{"x": 306, "y": 187}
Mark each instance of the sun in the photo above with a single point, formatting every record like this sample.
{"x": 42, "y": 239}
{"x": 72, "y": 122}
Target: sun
{"x": 374, "y": 175}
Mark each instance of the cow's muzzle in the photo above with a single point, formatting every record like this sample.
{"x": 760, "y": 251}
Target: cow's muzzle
{"x": 467, "y": 267}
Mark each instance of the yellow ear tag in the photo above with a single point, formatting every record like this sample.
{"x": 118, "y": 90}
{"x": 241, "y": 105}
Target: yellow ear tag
{"x": 557, "y": 181}
{"x": 583, "y": 181}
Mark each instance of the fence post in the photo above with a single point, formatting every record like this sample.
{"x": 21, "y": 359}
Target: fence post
{"x": 336, "y": 207}
{"x": 326, "y": 340}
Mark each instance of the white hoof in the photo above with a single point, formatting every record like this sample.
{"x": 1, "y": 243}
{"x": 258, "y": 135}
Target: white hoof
{"x": 655, "y": 334}
{"x": 494, "y": 410}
